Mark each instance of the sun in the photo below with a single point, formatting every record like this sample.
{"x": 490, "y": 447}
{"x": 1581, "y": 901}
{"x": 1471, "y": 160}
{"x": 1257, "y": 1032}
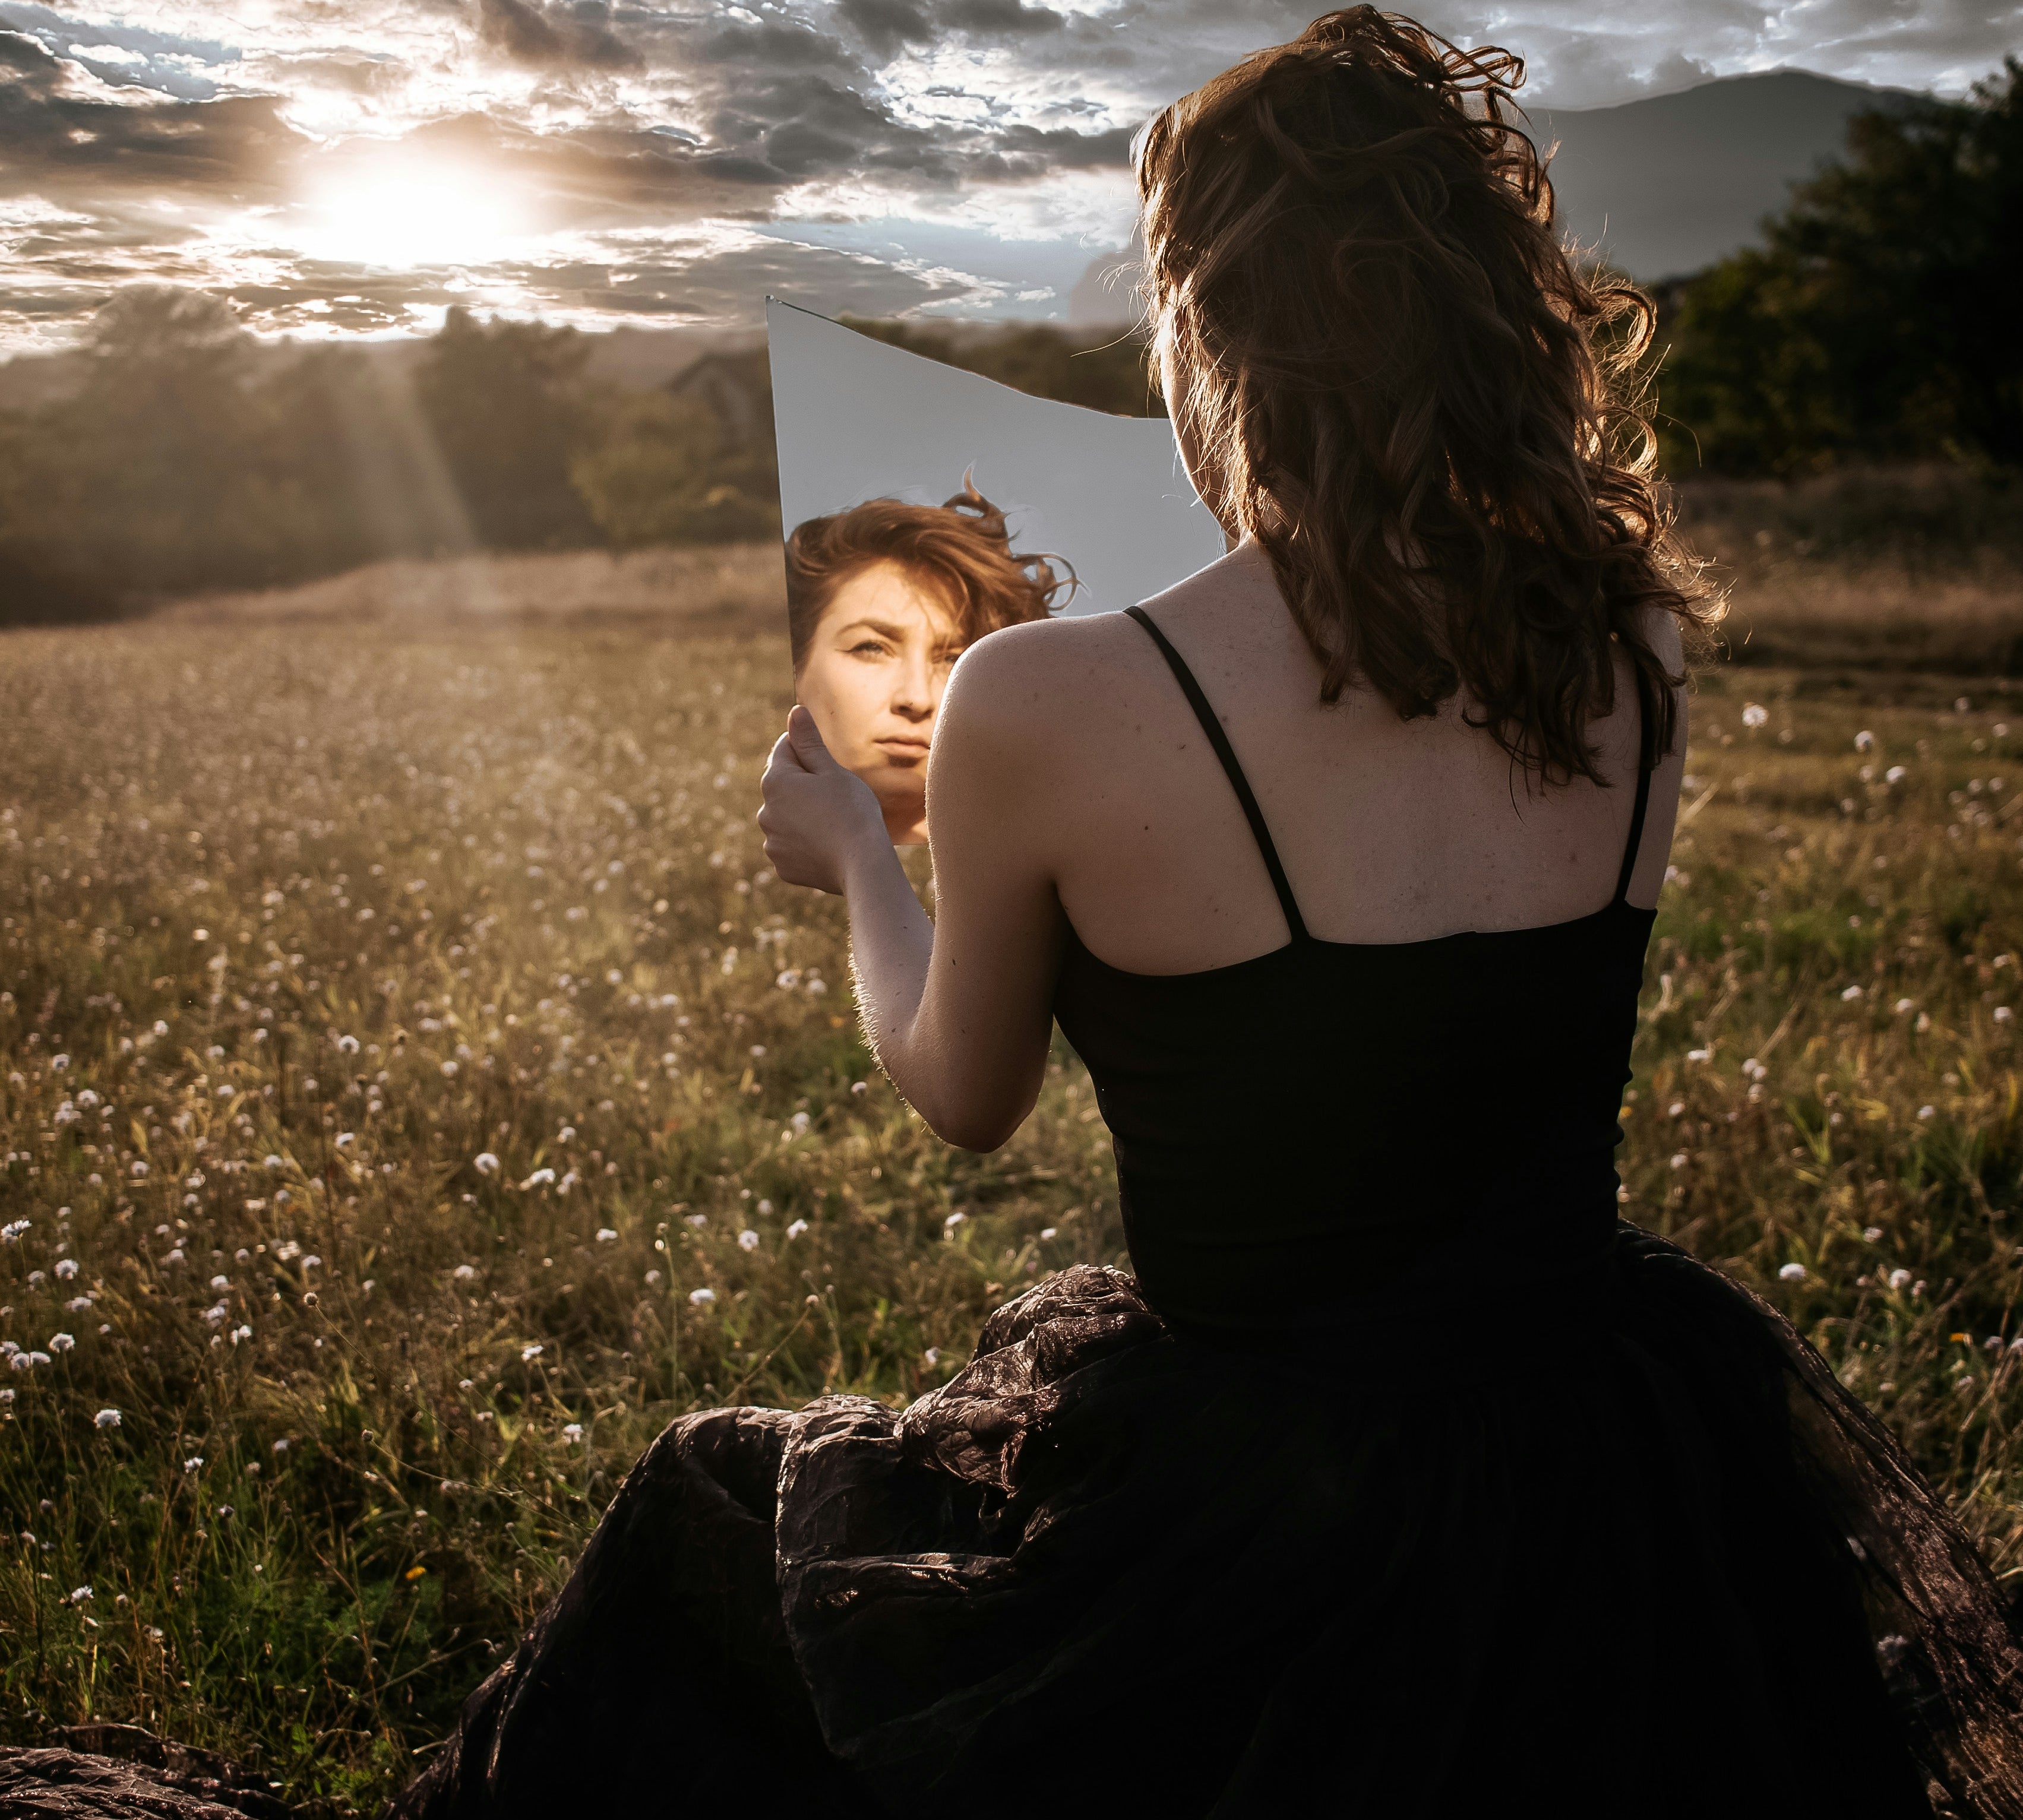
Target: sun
{"x": 404, "y": 213}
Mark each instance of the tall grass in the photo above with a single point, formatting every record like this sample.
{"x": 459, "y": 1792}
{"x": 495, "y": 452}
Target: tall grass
{"x": 417, "y": 1091}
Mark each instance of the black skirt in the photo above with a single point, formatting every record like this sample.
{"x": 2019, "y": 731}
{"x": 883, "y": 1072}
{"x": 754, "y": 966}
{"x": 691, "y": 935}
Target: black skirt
{"x": 1620, "y": 1546}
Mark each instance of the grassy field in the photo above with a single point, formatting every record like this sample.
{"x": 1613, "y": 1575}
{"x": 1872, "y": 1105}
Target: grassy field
{"x": 415, "y": 1091}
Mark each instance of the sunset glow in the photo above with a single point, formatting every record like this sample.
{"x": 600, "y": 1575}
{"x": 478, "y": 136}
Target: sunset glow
{"x": 407, "y": 217}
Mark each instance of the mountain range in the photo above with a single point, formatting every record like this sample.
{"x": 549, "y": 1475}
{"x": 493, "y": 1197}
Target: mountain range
{"x": 1665, "y": 186}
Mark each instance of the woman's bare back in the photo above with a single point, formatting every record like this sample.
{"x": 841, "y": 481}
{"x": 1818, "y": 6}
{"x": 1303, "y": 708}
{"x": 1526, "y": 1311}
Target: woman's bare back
{"x": 1389, "y": 831}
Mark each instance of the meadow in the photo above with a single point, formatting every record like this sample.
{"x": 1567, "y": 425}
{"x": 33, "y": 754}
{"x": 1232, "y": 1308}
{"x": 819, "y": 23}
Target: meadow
{"x": 415, "y": 1090}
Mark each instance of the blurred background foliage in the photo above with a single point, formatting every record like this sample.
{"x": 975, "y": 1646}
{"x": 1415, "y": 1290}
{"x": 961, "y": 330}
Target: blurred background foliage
{"x": 1876, "y": 322}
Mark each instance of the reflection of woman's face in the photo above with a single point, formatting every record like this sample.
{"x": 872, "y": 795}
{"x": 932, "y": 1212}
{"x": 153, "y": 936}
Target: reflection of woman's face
{"x": 872, "y": 676}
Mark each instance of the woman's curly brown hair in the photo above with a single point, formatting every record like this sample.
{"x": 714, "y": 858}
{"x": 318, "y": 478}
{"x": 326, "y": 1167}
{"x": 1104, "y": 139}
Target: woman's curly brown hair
{"x": 959, "y": 550}
{"x": 1390, "y": 374}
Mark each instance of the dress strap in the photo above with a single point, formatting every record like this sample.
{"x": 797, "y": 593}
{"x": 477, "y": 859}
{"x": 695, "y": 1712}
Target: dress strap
{"x": 1643, "y": 769}
{"x": 1238, "y": 782}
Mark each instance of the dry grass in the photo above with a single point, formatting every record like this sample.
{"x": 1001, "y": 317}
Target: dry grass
{"x": 1885, "y": 616}
{"x": 1909, "y": 572}
{"x": 736, "y": 587}
{"x": 417, "y": 1092}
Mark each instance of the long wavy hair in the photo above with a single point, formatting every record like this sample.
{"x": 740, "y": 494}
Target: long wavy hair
{"x": 1390, "y": 374}
{"x": 959, "y": 550}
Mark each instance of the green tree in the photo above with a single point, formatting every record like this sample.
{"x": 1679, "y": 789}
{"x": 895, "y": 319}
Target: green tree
{"x": 153, "y": 473}
{"x": 1876, "y": 321}
{"x": 1109, "y": 373}
{"x": 509, "y": 408}
{"x": 660, "y": 472}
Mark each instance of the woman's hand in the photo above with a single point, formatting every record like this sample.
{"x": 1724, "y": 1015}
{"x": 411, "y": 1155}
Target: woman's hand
{"x": 817, "y": 817}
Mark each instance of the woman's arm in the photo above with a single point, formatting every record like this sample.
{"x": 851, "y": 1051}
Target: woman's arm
{"x": 958, "y": 1010}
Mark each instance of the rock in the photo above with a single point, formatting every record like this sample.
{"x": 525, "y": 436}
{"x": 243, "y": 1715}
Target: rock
{"x": 120, "y": 1772}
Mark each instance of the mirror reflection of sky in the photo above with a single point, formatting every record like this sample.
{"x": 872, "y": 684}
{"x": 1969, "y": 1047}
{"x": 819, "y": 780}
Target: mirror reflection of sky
{"x": 356, "y": 167}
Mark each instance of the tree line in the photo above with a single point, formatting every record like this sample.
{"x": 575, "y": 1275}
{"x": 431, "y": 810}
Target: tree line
{"x": 187, "y": 456}
{"x": 1876, "y": 322}
{"x": 1872, "y": 325}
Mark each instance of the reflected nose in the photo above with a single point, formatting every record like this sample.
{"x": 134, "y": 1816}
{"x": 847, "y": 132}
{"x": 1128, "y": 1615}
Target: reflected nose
{"x": 913, "y": 691}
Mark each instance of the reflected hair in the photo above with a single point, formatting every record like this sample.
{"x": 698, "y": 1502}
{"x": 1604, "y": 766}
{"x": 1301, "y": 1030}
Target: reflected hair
{"x": 1398, "y": 383}
{"x": 959, "y": 550}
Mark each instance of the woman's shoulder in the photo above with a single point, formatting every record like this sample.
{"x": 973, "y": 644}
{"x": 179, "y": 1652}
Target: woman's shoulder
{"x": 1028, "y": 681}
{"x": 1060, "y": 664}
{"x": 1028, "y": 708}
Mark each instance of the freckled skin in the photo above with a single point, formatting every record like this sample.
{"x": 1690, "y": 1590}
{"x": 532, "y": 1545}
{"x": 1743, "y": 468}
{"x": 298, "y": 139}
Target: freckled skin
{"x": 872, "y": 676}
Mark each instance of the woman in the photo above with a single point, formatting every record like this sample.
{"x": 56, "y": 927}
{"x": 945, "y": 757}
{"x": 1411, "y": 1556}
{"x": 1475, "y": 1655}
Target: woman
{"x": 1403, "y": 1479}
{"x": 881, "y": 600}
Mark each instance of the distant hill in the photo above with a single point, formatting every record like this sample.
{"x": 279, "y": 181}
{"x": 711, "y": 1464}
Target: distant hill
{"x": 1661, "y": 186}
{"x": 1667, "y": 185}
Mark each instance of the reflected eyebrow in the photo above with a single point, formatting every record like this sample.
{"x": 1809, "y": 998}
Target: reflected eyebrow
{"x": 883, "y": 628}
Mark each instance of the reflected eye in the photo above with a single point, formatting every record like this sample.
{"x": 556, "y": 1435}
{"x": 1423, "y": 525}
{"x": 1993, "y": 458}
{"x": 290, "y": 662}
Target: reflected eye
{"x": 870, "y": 647}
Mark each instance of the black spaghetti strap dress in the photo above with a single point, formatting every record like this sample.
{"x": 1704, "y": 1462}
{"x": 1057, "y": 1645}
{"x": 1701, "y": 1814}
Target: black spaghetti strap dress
{"x": 1403, "y": 1479}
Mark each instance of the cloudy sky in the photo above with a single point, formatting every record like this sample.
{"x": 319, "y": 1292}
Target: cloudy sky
{"x": 342, "y": 167}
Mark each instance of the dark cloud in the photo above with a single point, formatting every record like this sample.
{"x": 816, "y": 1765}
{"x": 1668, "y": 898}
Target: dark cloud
{"x": 128, "y": 56}
{"x": 1004, "y": 18}
{"x": 777, "y": 43}
{"x": 608, "y": 176}
{"x": 886, "y": 26}
{"x": 555, "y": 35}
{"x": 377, "y": 78}
{"x": 54, "y": 137}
